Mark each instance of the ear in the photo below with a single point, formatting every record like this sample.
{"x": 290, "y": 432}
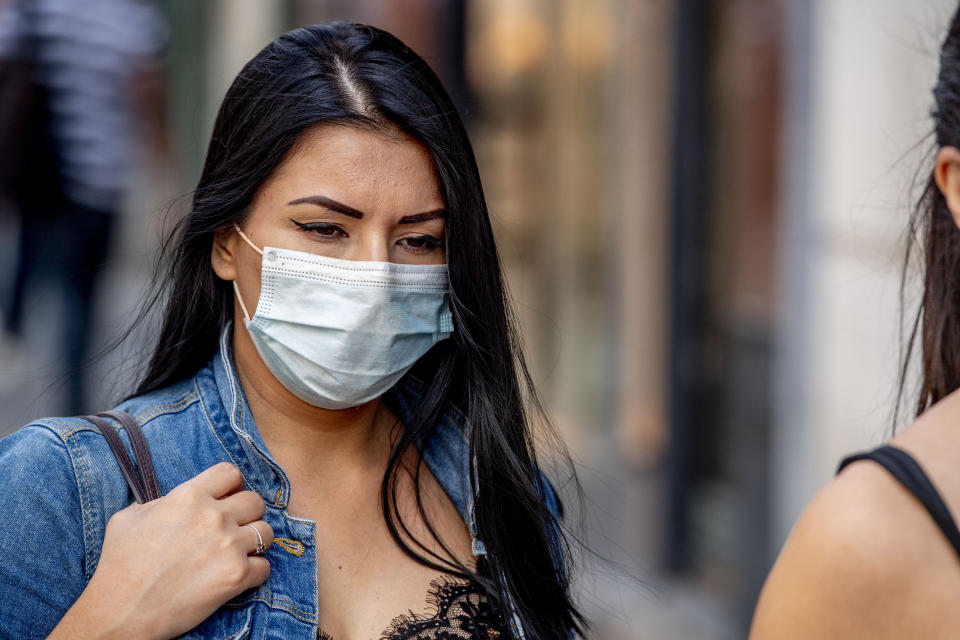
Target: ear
{"x": 946, "y": 173}
{"x": 223, "y": 254}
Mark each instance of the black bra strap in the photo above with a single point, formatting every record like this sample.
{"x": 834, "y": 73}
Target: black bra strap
{"x": 911, "y": 475}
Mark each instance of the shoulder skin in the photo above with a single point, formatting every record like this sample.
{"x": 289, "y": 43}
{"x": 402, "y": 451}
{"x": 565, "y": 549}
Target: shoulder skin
{"x": 865, "y": 559}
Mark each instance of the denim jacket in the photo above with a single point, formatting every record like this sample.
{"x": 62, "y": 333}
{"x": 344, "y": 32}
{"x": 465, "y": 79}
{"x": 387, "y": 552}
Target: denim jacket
{"x": 59, "y": 485}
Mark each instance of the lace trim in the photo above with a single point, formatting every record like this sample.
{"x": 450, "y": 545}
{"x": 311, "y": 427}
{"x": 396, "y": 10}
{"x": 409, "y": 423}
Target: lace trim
{"x": 462, "y": 612}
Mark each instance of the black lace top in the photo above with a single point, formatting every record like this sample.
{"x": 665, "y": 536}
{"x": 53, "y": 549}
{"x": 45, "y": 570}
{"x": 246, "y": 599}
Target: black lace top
{"x": 463, "y": 613}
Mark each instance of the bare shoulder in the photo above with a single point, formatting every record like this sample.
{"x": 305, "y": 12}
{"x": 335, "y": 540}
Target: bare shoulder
{"x": 864, "y": 560}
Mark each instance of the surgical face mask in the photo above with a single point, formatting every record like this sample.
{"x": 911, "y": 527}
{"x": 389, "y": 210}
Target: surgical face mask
{"x": 339, "y": 333}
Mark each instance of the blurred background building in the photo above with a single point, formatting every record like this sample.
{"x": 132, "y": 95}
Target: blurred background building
{"x": 701, "y": 208}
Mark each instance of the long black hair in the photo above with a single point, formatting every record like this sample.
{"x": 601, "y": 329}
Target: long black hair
{"x": 360, "y": 76}
{"x": 933, "y": 230}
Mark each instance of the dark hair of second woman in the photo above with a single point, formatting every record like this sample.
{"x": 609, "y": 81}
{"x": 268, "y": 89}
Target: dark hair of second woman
{"x": 938, "y": 319}
{"x": 347, "y": 74}
{"x": 874, "y": 554}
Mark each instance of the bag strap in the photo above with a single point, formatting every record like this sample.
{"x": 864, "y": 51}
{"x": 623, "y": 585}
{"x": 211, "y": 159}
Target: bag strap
{"x": 143, "y": 484}
{"x": 141, "y": 452}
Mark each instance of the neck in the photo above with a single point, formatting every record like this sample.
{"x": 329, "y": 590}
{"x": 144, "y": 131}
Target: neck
{"x": 296, "y": 432}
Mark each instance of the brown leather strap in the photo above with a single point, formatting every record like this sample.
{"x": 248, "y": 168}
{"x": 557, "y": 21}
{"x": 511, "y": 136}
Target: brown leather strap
{"x": 141, "y": 452}
{"x": 120, "y": 453}
{"x": 143, "y": 484}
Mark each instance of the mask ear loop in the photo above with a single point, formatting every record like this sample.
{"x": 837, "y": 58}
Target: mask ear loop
{"x": 236, "y": 289}
{"x": 248, "y": 240}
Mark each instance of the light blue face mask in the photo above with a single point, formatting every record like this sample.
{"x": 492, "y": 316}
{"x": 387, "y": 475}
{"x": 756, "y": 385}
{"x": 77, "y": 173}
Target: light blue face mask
{"x": 339, "y": 333}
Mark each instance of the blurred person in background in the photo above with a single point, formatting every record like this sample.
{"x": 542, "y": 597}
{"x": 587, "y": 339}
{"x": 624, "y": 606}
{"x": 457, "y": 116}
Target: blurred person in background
{"x": 336, "y": 341}
{"x": 875, "y": 555}
{"x": 80, "y": 88}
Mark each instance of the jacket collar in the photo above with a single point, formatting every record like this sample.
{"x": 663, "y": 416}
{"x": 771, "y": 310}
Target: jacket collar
{"x": 446, "y": 452}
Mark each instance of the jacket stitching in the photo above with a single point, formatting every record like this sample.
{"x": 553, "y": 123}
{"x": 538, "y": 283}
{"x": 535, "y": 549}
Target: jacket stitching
{"x": 223, "y": 444}
{"x": 149, "y": 414}
{"x": 85, "y": 508}
{"x": 291, "y": 546}
{"x": 296, "y": 520}
{"x": 168, "y": 407}
{"x": 272, "y": 601}
{"x": 289, "y": 605}
{"x": 237, "y": 406}
{"x": 82, "y": 427}
{"x": 67, "y": 429}
{"x": 236, "y": 392}
{"x": 172, "y": 403}
{"x": 235, "y": 635}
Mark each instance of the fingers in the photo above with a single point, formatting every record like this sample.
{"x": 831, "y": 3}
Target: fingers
{"x": 266, "y": 534}
{"x": 245, "y": 506}
{"x": 219, "y": 480}
{"x": 251, "y": 572}
{"x": 258, "y": 571}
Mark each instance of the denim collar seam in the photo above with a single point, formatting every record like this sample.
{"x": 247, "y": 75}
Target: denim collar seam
{"x": 236, "y": 392}
{"x": 451, "y": 413}
{"x": 477, "y": 545}
{"x": 206, "y": 414}
{"x": 237, "y": 410}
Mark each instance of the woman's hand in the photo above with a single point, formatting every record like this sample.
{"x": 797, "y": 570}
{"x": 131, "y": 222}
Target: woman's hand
{"x": 168, "y": 564}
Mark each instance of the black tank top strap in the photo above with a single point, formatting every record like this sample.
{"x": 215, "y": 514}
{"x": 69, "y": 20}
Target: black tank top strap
{"x": 908, "y": 471}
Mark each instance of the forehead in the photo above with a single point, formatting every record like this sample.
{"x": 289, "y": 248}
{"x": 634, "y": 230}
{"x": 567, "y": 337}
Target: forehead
{"x": 366, "y": 169}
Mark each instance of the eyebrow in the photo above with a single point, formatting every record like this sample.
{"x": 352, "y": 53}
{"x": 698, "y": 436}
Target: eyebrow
{"x": 339, "y": 207}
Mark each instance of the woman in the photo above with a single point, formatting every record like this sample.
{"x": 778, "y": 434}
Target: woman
{"x": 875, "y": 555}
{"x": 336, "y": 384}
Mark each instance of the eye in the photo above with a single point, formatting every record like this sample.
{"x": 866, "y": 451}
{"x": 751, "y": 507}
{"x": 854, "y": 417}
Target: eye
{"x": 421, "y": 244}
{"x": 326, "y": 230}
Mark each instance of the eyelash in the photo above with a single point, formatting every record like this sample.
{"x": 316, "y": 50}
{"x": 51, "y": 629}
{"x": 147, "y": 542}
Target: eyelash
{"x": 320, "y": 227}
{"x": 429, "y": 244}
{"x": 323, "y": 229}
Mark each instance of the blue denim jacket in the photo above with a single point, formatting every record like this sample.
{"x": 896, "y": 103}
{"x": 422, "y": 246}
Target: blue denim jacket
{"x": 59, "y": 484}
